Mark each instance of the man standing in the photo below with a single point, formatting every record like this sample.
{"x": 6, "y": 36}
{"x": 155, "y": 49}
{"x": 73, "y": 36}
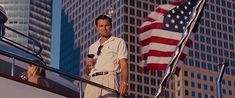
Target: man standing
{"x": 110, "y": 58}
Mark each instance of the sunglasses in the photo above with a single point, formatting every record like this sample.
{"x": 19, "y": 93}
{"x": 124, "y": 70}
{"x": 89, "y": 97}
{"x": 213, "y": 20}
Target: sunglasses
{"x": 99, "y": 50}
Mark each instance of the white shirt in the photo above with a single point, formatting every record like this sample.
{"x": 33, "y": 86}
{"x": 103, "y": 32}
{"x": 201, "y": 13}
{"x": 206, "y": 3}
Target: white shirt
{"x": 112, "y": 51}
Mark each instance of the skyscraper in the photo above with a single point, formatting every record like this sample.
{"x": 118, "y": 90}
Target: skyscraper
{"x": 127, "y": 18}
{"x": 32, "y": 18}
{"x": 69, "y": 55}
{"x": 213, "y": 44}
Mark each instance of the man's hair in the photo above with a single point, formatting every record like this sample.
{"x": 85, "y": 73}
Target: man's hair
{"x": 103, "y": 17}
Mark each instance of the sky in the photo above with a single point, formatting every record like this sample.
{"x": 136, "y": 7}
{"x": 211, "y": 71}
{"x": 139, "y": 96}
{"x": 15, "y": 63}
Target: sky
{"x": 56, "y": 22}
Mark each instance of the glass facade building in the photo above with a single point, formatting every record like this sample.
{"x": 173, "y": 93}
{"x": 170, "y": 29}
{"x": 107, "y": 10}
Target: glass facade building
{"x": 69, "y": 55}
{"x": 33, "y": 18}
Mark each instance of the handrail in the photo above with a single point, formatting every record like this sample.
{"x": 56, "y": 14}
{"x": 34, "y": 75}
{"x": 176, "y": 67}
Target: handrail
{"x": 66, "y": 74}
{"x": 13, "y": 44}
{"x": 34, "y": 41}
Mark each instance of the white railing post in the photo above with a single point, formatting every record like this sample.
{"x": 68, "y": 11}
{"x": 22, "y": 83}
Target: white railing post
{"x": 13, "y": 67}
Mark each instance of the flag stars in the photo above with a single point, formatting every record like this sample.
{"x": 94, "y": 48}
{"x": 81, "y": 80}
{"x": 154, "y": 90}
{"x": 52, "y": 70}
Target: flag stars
{"x": 181, "y": 22}
{"x": 190, "y": 13}
{"x": 177, "y": 7}
{"x": 169, "y": 15}
{"x": 177, "y": 16}
{"x": 167, "y": 25}
{"x": 182, "y": 12}
{"x": 189, "y": 3}
{"x": 172, "y": 21}
{"x": 176, "y": 26}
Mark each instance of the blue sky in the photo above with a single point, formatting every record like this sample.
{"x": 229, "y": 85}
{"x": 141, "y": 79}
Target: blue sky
{"x": 56, "y": 22}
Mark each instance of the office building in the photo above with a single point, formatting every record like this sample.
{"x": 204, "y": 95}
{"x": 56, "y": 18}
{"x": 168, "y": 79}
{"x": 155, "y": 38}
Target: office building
{"x": 213, "y": 44}
{"x": 32, "y": 18}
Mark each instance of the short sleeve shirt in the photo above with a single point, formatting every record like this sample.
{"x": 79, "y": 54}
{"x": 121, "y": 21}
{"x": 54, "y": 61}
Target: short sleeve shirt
{"x": 112, "y": 51}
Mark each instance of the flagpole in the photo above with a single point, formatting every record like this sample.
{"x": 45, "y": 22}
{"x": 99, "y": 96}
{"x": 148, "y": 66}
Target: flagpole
{"x": 180, "y": 48}
{"x": 222, "y": 68}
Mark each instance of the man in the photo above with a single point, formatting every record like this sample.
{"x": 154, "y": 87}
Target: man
{"x": 110, "y": 58}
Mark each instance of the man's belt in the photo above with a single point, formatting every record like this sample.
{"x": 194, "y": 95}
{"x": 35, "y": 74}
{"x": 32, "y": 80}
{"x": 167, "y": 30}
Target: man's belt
{"x": 99, "y": 73}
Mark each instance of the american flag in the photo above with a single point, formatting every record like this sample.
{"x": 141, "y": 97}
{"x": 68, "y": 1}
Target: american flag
{"x": 161, "y": 32}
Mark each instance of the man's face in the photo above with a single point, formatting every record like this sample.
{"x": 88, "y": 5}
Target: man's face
{"x": 104, "y": 27}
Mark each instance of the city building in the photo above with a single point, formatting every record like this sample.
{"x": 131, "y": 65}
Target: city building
{"x": 69, "y": 56}
{"x": 32, "y": 18}
{"x": 213, "y": 44}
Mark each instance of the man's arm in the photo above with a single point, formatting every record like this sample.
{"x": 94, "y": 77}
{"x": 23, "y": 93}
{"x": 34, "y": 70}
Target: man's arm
{"x": 124, "y": 73}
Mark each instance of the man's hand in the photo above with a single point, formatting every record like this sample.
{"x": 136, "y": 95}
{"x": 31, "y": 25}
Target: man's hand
{"x": 124, "y": 73}
{"x": 89, "y": 63}
{"x": 123, "y": 88}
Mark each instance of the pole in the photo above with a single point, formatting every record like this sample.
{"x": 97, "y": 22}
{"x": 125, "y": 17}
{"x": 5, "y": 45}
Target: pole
{"x": 221, "y": 73}
{"x": 13, "y": 67}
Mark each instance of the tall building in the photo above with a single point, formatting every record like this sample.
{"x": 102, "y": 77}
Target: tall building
{"x": 213, "y": 44}
{"x": 69, "y": 55}
{"x": 127, "y": 18}
{"x": 32, "y": 18}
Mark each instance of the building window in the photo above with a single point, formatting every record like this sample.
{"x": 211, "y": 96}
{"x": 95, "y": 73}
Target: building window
{"x": 153, "y": 73}
{"x": 199, "y": 95}
{"x": 132, "y": 11}
{"x": 153, "y": 91}
{"x": 139, "y": 78}
{"x": 230, "y": 92}
{"x": 132, "y": 77}
{"x": 132, "y": 67}
{"x": 146, "y": 80}
{"x": 132, "y": 87}
{"x": 132, "y": 29}
{"x": 186, "y": 93}
{"x": 138, "y": 4}
{"x": 192, "y": 84}
{"x": 193, "y": 93}
{"x": 139, "y": 88}
{"x": 211, "y": 88}
{"x": 132, "y": 39}
{"x": 138, "y": 13}
{"x": 132, "y": 48}
{"x": 132, "y": 20}
{"x": 186, "y": 73}
{"x": 132, "y": 3}
{"x": 185, "y": 82}
{"x": 205, "y": 87}
{"x": 192, "y": 75}
{"x": 153, "y": 81}
{"x": 132, "y": 57}
{"x": 151, "y": 7}
{"x": 199, "y": 85}
{"x": 145, "y": 6}
{"x": 146, "y": 90}
{"x": 224, "y": 91}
